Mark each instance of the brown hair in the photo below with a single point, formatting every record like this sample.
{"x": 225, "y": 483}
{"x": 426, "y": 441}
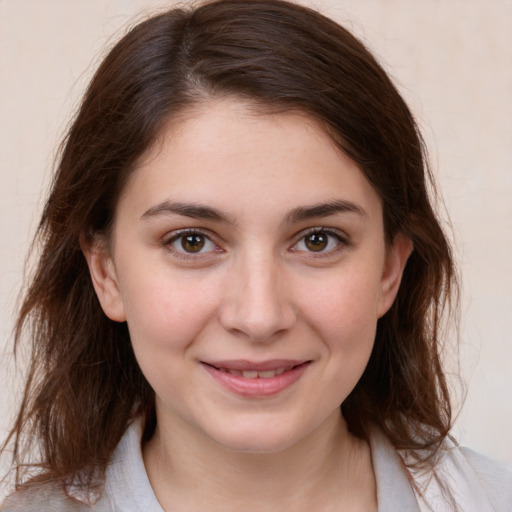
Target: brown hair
{"x": 84, "y": 384}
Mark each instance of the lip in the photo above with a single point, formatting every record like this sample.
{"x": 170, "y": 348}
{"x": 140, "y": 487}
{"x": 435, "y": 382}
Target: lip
{"x": 256, "y": 386}
{"x": 259, "y": 366}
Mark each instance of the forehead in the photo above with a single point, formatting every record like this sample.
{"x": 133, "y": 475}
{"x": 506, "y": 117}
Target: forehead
{"x": 228, "y": 154}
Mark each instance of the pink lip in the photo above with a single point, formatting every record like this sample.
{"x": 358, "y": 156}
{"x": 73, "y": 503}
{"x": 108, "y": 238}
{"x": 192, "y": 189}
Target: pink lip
{"x": 256, "y": 387}
{"x": 261, "y": 366}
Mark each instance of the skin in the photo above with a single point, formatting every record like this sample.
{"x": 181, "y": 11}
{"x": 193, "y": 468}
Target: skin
{"x": 258, "y": 289}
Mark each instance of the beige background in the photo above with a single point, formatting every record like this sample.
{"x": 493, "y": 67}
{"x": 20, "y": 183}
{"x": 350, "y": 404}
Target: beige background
{"x": 453, "y": 61}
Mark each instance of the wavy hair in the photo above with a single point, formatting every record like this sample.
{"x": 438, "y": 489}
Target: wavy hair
{"x": 84, "y": 385}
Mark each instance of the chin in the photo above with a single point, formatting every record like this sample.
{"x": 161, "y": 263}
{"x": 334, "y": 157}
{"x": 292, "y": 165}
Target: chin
{"x": 257, "y": 438}
{"x": 256, "y": 445}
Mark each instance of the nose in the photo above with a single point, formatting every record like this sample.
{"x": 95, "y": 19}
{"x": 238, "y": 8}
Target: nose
{"x": 256, "y": 304}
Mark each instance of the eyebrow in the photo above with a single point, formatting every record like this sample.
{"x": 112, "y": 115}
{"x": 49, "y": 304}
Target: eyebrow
{"x": 325, "y": 210}
{"x": 299, "y": 214}
{"x": 191, "y": 210}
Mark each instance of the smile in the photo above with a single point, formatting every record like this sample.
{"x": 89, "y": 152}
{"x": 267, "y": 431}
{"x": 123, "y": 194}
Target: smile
{"x": 253, "y": 374}
{"x": 249, "y": 379}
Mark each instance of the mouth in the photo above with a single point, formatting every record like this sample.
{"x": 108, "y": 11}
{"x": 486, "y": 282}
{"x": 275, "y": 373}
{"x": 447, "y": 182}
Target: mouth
{"x": 254, "y": 372}
{"x": 253, "y": 379}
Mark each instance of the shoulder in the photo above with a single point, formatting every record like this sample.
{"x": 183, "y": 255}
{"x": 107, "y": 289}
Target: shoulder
{"x": 39, "y": 498}
{"x": 495, "y": 478}
{"x": 47, "y": 497}
{"x": 460, "y": 479}
{"x": 125, "y": 486}
{"x": 470, "y": 480}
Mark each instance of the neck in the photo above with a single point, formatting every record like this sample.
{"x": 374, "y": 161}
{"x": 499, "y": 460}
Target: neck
{"x": 318, "y": 473}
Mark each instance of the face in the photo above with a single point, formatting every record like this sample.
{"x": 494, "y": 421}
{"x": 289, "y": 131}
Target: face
{"x": 248, "y": 259}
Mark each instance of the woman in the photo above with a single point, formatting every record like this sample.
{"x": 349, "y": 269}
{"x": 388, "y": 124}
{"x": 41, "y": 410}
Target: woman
{"x": 241, "y": 284}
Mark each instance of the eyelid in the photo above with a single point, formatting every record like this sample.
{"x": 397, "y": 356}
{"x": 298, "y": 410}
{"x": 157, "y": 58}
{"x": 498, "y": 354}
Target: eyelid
{"x": 342, "y": 238}
{"x": 172, "y": 236}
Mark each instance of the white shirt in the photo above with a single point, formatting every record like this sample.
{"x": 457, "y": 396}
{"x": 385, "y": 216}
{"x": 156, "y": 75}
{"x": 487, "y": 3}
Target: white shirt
{"x": 128, "y": 488}
{"x": 477, "y": 484}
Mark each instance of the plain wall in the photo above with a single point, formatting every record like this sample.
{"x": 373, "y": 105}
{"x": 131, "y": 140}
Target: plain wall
{"x": 453, "y": 62}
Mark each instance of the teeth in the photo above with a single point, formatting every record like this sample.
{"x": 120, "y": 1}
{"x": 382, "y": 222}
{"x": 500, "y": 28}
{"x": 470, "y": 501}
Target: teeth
{"x": 253, "y": 374}
{"x": 267, "y": 374}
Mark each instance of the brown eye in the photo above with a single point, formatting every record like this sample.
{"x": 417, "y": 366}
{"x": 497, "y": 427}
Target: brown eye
{"x": 317, "y": 242}
{"x": 192, "y": 243}
{"x": 323, "y": 241}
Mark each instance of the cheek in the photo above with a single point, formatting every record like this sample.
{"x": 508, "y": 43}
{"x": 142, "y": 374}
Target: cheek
{"x": 346, "y": 303}
{"x": 164, "y": 321}
{"x": 166, "y": 313}
{"x": 344, "y": 315}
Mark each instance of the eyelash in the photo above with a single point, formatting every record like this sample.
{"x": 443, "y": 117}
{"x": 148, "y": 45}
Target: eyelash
{"x": 174, "y": 237}
{"x": 342, "y": 241}
{"x": 168, "y": 242}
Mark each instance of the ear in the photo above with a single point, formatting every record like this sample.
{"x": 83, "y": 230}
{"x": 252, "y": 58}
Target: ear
{"x": 396, "y": 258}
{"x": 104, "y": 277}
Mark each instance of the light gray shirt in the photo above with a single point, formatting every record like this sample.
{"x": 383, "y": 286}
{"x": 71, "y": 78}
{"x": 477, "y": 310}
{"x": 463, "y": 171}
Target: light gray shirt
{"x": 476, "y": 484}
